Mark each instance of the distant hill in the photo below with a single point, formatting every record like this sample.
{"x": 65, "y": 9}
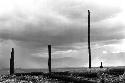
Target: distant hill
{"x": 71, "y": 69}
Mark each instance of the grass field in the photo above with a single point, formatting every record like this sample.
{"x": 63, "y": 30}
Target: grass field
{"x": 65, "y": 75}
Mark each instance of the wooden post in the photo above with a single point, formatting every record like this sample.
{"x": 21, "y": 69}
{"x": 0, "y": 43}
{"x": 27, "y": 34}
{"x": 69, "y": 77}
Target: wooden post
{"x": 49, "y": 59}
{"x": 89, "y": 48}
{"x": 12, "y": 62}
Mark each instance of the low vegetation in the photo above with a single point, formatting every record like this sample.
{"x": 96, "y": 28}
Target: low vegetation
{"x": 94, "y": 75}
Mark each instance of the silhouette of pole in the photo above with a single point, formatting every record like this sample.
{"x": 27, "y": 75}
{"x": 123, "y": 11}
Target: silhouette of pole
{"x": 49, "y": 59}
{"x": 12, "y": 62}
{"x": 89, "y": 48}
{"x": 101, "y": 65}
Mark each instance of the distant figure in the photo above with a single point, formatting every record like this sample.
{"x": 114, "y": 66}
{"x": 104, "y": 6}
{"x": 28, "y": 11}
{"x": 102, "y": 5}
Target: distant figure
{"x": 101, "y": 65}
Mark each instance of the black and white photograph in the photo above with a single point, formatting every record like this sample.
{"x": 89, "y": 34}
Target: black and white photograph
{"x": 62, "y": 41}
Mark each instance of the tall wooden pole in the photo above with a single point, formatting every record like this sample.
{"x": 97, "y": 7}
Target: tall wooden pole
{"x": 49, "y": 59}
{"x": 12, "y": 62}
{"x": 89, "y": 48}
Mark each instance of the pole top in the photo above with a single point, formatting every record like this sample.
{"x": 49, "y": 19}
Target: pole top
{"x": 12, "y": 49}
{"x": 88, "y": 11}
{"x": 49, "y": 45}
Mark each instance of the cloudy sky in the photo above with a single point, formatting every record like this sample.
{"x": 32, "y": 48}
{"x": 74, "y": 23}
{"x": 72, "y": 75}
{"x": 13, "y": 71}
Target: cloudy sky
{"x": 30, "y": 25}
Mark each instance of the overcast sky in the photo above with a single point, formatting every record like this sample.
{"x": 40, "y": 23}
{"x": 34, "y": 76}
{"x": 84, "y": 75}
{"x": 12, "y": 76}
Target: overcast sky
{"x": 30, "y": 25}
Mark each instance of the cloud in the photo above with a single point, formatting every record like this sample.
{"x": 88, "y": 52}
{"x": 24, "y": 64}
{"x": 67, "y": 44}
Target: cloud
{"x": 30, "y": 25}
{"x": 78, "y": 11}
{"x": 56, "y": 21}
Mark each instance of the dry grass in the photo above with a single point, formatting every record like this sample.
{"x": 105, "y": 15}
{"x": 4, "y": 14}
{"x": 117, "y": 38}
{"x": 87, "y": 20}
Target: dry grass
{"x": 104, "y": 75}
